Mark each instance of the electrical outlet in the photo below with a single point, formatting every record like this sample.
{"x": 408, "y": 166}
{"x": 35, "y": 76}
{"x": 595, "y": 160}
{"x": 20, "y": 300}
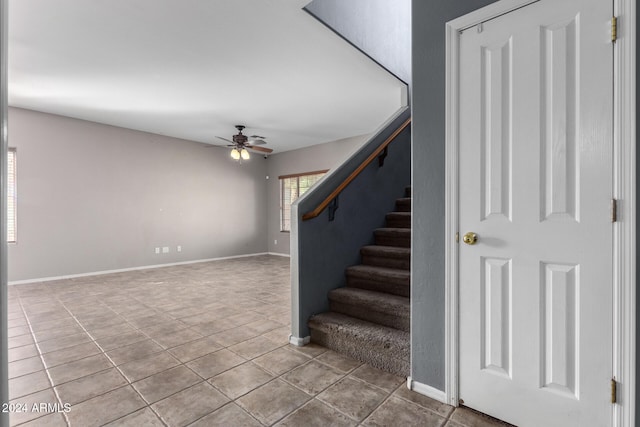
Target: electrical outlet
{"x": 179, "y": 248}
{"x": 157, "y": 250}
{"x": 165, "y": 250}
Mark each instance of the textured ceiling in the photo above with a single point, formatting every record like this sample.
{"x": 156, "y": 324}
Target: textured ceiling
{"x": 193, "y": 69}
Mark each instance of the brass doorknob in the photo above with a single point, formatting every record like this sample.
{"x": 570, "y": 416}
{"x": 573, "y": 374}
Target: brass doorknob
{"x": 470, "y": 238}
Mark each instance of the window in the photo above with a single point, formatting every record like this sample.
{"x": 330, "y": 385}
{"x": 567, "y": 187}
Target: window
{"x": 292, "y": 187}
{"x": 11, "y": 197}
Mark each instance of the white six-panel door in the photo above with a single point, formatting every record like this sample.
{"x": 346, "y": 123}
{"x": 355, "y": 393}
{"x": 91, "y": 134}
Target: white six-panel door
{"x": 535, "y": 185}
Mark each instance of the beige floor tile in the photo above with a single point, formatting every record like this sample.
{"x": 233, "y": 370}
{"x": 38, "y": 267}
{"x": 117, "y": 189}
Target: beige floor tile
{"x": 195, "y": 349}
{"x": 142, "y": 368}
{"x": 116, "y": 341}
{"x": 354, "y": 398}
{"x": 189, "y": 405}
{"x": 70, "y": 354}
{"x": 79, "y": 368}
{"x": 166, "y": 383}
{"x": 240, "y": 380}
{"x": 50, "y": 334}
{"x": 263, "y": 325}
{"x": 25, "y": 366}
{"x": 313, "y": 377}
{"x": 273, "y": 401}
{"x": 440, "y": 408}
{"x": 85, "y": 388}
{"x": 133, "y": 352}
{"x": 254, "y": 347}
{"x": 28, "y": 384}
{"x": 229, "y": 415}
{"x": 66, "y": 342}
{"x": 215, "y": 363}
{"x": 471, "y": 418}
{"x": 378, "y": 378}
{"x": 23, "y": 407}
{"x": 177, "y": 338}
{"x": 281, "y": 360}
{"x": 112, "y": 330}
{"x": 20, "y": 341}
{"x": 18, "y": 330}
{"x": 105, "y": 408}
{"x": 51, "y": 420}
{"x": 398, "y": 412}
{"x": 316, "y": 414}
{"x": 141, "y": 418}
{"x": 24, "y": 352}
{"x": 338, "y": 361}
{"x": 311, "y": 349}
{"x": 234, "y": 336}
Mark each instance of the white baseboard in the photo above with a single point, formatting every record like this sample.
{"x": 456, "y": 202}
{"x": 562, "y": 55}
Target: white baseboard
{"x": 426, "y": 390}
{"x": 279, "y": 254}
{"x": 299, "y": 342}
{"x": 121, "y": 270}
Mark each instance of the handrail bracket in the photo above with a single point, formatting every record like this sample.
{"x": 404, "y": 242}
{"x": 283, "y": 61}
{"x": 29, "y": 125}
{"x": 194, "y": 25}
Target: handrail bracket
{"x": 382, "y": 156}
{"x": 333, "y": 207}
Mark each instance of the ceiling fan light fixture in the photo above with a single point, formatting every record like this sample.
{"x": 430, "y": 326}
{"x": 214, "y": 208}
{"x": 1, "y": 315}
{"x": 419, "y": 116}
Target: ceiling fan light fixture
{"x": 244, "y": 154}
{"x": 235, "y": 154}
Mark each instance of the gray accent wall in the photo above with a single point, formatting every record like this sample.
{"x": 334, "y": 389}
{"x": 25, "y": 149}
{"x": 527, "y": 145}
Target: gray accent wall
{"x": 428, "y": 250}
{"x": 314, "y": 158}
{"x": 381, "y": 29}
{"x": 93, "y": 197}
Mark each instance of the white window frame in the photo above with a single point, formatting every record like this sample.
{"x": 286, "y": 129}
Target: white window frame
{"x": 285, "y": 206}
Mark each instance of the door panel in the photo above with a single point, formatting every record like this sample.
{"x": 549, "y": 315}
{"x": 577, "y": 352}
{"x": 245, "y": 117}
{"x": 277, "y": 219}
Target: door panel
{"x": 535, "y": 184}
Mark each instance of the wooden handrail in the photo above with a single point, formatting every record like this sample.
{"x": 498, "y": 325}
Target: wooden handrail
{"x": 323, "y": 205}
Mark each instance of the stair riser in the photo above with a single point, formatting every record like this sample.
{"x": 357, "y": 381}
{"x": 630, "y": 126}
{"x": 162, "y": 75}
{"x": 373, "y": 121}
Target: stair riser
{"x": 403, "y": 206}
{"x": 393, "y": 360}
{"x": 393, "y": 240}
{"x": 365, "y": 313}
{"x": 395, "y": 222}
{"x": 390, "y": 288}
{"x": 381, "y": 261}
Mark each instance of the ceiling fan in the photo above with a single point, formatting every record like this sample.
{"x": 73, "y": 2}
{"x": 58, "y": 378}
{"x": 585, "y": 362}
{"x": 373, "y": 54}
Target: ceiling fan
{"x": 241, "y": 143}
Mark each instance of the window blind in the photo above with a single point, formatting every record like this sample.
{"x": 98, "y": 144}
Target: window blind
{"x": 11, "y": 196}
{"x": 292, "y": 187}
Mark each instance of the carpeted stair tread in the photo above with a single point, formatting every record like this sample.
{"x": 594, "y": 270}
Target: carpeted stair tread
{"x": 386, "y": 256}
{"x": 398, "y": 219}
{"x": 376, "y": 307}
{"x": 390, "y": 236}
{"x": 403, "y": 204}
{"x": 381, "y": 347}
{"x": 380, "y": 279}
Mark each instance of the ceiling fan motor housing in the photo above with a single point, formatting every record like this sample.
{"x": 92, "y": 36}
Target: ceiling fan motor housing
{"x": 240, "y": 138}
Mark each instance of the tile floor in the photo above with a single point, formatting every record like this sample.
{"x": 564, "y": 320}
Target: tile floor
{"x": 200, "y": 345}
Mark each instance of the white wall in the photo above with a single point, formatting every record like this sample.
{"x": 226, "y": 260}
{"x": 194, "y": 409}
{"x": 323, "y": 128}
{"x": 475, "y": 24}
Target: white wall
{"x": 317, "y": 157}
{"x": 93, "y": 197}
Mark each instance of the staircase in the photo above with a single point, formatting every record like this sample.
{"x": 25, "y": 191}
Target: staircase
{"x": 370, "y": 317}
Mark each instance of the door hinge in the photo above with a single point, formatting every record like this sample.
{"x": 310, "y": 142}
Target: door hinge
{"x": 614, "y": 390}
{"x": 614, "y": 210}
{"x": 614, "y": 29}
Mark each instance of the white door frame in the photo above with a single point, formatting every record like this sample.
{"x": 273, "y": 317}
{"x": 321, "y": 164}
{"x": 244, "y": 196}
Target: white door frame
{"x": 624, "y": 158}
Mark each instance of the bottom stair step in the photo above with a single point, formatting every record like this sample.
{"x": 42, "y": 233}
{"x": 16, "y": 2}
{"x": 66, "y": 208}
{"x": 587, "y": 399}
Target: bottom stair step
{"x": 375, "y": 307}
{"x": 384, "y": 348}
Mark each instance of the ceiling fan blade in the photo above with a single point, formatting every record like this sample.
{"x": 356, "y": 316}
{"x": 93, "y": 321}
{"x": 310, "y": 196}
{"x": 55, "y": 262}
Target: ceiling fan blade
{"x": 261, "y": 149}
{"x": 225, "y": 139}
{"x": 257, "y": 141}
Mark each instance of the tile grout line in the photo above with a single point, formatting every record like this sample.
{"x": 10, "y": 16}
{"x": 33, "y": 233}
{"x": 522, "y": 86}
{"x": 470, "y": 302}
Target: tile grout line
{"x": 44, "y": 365}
